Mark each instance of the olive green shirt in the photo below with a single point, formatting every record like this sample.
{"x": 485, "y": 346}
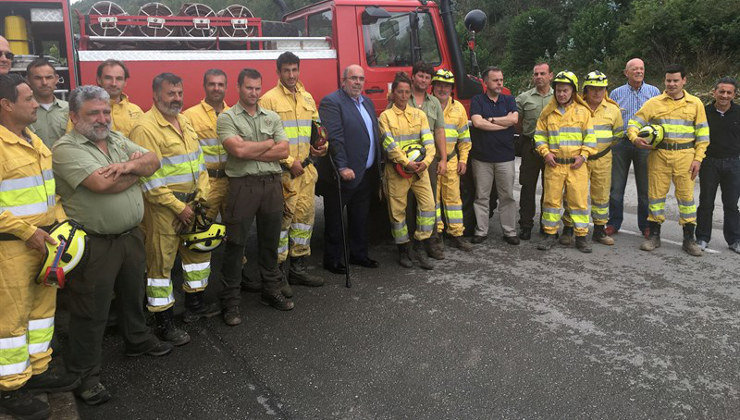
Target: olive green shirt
{"x": 74, "y": 158}
{"x": 52, "y": 124}
{"x": 529, "y": 104}
{"x": 433, "y": 109}
{"x": 264, "y": 125}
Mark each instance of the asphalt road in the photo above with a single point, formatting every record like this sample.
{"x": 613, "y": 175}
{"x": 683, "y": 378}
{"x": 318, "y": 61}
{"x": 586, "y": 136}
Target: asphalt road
{"x": 502, "y": 332}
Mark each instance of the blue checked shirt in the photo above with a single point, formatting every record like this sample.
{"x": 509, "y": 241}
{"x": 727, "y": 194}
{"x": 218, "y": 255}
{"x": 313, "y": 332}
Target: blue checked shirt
{"x": 630, "y": 100}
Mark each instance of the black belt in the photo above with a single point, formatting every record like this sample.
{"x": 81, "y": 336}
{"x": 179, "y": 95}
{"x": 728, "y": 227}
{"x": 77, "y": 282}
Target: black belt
{"x": 600, "y": 154}
{"x": 217, "y": 173}
{"x": 674, "y": 146}
{"x": 565, "y": 161}
{"x": 307, "y": 161}
{"x": 10, "y": 237}
{"x": 109, "y": 235}
{"x": 452, "y": 155}
{"x": 184, "y": 197}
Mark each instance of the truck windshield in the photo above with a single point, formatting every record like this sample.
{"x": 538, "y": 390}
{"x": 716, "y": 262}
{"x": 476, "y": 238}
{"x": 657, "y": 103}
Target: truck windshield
{"x": 388, "y": 41}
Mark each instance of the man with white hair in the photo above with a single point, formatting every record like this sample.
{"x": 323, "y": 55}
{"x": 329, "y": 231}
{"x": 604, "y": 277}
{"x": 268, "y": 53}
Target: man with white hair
{"x": 6, "y": 56}
{"x": 97, "y": 172}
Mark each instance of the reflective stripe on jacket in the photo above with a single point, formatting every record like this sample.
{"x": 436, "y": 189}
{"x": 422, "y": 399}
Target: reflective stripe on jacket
{"x": 457, "y": 132}
{"x": 565, "y": 132}
{"x": 203, "y": 118}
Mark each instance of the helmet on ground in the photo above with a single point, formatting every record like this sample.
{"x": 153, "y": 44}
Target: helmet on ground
{"x": 652, "y": 133}
{"x": 568, "y": 77}
{"x": 319, "y": 135}
{"x": 205, "y": 235}
{"x": 67, "y": 256}
{"x": 444, "y": 76}
{"x": 595, "y": 79}
{"x": 415, "y": 152}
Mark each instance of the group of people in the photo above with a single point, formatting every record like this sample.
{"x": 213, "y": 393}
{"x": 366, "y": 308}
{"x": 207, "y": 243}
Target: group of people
{"x": 136, "y": 181}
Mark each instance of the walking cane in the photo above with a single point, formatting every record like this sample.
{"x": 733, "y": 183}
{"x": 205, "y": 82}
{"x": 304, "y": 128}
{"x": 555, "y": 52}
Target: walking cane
{"x": 348, "y": 283}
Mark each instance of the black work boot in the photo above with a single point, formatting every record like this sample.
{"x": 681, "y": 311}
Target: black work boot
{"x": 22, "y": 405}
{"x": 566, "y": 238}
{"x": 653, "y": 240}
{"x": 689, "y": 242}
{"x": 420, "y": 255}
{"x": 600, "y": 236}
{"x": 404, "y": 257}
{"x": 548, "y": 242}
{"x": 459, "y": 243}
{"x": 525, "y": 234}
{"x": 196, "y": 308}
{"x": 298, "y": 275}
{"x": 285, "y": 288}
{"x": 434, "y": 249}
{"x": 52, "y": 382}
{"x": 167, "y": 331}
{"x": 276, "y": 300}
{"x": 583, "y": 244}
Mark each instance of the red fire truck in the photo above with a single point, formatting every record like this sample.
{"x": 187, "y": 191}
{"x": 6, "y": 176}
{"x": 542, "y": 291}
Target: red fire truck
{"x": 383, "y": 36}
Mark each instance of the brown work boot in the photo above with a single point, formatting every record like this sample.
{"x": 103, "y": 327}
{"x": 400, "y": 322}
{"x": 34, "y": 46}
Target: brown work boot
{"x": 689, "y": 243}
{"x": 548, "y": 242}
{"x": 421, "y": 257}
{"x": 459, "y": 243}
{"x": 197, "y": 308}
{"x": 653, "y": 240}
{"x": 404, "y": 255}
{"x": 232, "y": 317}
{"x": 434, "y": 249}
{"x": 583, "y": 244}
{"x": 601, "y": 237}
{"x": 298, "y": 275}
{"x": 566, "y": 238}
{"x": 276, "y": 300}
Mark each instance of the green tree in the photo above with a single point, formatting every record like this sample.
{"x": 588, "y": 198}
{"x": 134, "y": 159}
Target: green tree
{"x": 532, "y": 34}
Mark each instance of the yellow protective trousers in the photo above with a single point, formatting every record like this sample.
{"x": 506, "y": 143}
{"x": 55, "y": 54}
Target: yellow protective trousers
{"x": 448, "y": 199}
{"x": 575, "y": 183}
{"x": 397, "y": 189}
{"x": 664, "y": 166}
{"x": 26, "y": 318}
{"x": 217, "y": 196}
{"x": 600, "y": 177}
{"x": 298, "y": 214}
{"x": 162, "y": 245}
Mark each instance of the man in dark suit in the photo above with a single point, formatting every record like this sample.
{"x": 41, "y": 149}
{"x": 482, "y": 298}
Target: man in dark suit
{"x": 354, "y": 141}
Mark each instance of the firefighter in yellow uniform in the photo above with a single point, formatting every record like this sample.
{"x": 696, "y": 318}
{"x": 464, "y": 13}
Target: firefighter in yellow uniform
{"x": 170, "y": 196}
{"x": 28, "y": 205}
{"x": 678, "y": 157}
{"x": 297, "y": 109}
{"x": 565, "y": 138}
{"x": 203, "y": 118}
{"x": 608, "y": 128}
{"x": 458, "y": 146}
{"x": 404, "y": 126}
{"x": 124, "y": 115}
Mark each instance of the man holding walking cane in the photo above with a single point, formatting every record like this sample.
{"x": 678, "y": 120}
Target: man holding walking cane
{"x": 350, "y": 119}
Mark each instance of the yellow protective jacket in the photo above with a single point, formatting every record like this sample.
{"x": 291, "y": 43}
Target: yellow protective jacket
{"x": 124, "y": 115}
{"x": 565, "y": 132}
{"x": 27, "y": 189}
{"x": 402, "y": 127}
{"x": 203, "y": 118}
{"x": 608, "y": 124}
{"x": 296, "y": 110}
{"x": 182, "y": 169}
{"x": 457, "y": 132}
{"x": 684, "y": 121}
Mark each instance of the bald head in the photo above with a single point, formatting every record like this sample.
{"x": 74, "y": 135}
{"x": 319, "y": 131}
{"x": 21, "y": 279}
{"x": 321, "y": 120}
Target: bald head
{"x": 635, "y": 72}
{"x": 5, "y": 62}
{"x": 353, "y": 80}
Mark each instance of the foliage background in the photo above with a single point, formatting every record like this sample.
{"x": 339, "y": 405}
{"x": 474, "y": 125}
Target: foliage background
{"x": 580, "y": 35}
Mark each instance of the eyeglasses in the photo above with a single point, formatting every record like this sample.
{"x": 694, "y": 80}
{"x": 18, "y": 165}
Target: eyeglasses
{"x": 9, "y": 55}
{"x": 356, "y": 78}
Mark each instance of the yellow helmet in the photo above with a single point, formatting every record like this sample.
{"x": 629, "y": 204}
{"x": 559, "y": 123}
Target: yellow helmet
{"x": 68, "y": 255}
{"x": 205, "y": 235}
{"x": 652, "y": 133}
{"x": 444, "y": 76}
{"x": 595, "y": 79}
{"x": 568, "y": 77}
{"x": 415, "y": 152}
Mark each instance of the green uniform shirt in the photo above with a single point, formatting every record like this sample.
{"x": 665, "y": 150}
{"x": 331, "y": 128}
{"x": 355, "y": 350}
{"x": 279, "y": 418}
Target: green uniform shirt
{"x": 433, "y": 109}
{"x": 52, "y": 124}
{"x": 529, "y": 105}
{"x": 264, "y": 125}
{"x": 74, "y": 158}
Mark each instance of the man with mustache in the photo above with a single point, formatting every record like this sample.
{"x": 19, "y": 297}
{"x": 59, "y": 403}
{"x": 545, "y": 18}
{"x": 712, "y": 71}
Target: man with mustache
{"x": 52, "y": 115}
{"x": 171, "y": 195}
{"x": 98, "y": 172}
